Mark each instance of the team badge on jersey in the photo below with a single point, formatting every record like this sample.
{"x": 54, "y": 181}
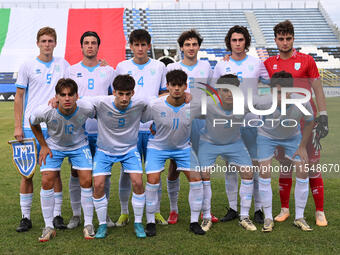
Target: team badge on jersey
{"x": 251, "y": 68}
{"x": 102, "y": 74}
{"x": 274, "y": 66}
{"x": 152, "y": 72}
{"x": 24, "y": 156}
{"x": 57, "y": 68}
{"x": 38, "y": 71}
{"x": 297, "y": 66}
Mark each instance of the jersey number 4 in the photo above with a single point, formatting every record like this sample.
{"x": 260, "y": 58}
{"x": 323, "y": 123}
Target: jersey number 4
{"x": 140, "y": 81}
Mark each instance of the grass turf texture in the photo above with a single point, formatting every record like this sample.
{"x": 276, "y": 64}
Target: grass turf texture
{"x": 223, "y": 238}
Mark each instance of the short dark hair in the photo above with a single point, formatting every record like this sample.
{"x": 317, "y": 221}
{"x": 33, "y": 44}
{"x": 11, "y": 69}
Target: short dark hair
{"x": 240, "y": 30}
{"x": 89, "y": 33}
{"x": 176, "y": 77}
{"x": 47, "y": 31}
{"x": 66, "y": 83}
{"x": 283, "y": 78}
{"x": 228, "y": 79}
{"x": 139, "y": 35}
{"x": 124, "y": 82}
{"x": 186, "y": 35}
{"x": 284, "y": 28}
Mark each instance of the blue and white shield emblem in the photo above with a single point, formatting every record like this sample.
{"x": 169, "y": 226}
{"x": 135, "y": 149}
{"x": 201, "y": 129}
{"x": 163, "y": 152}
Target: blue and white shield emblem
{"x": 297, "y": 66}
{"x": 24, "y": 156}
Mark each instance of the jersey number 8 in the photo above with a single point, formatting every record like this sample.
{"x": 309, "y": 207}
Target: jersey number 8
{"x": 90, "y": 84}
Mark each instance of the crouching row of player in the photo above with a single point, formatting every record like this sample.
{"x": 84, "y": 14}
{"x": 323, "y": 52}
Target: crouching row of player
{"x": 118, "y": 121}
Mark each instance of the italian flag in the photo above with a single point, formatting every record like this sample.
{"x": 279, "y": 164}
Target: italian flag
{"x": 19, "y": 27}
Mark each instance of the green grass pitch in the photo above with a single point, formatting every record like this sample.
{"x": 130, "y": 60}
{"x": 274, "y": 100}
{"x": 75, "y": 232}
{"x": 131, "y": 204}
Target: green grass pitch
{"x": 223, "y": 238}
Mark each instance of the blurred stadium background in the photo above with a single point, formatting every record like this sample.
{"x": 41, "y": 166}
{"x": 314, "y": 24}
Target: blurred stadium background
{"x": 315, "y": 32}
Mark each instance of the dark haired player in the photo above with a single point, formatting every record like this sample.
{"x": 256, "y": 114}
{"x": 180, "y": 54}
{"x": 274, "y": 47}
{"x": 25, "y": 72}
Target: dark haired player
{"x": 250, "y": 71}
{"x": 65, "y": 127}
{"x": 273, "y": 134}
{"x": 198, "y": 71}
{"x": 172, "y": 120}
{"x": 306, "y": 75}
{"x": 93, "y": 80}
{"x": 149, "y": 75}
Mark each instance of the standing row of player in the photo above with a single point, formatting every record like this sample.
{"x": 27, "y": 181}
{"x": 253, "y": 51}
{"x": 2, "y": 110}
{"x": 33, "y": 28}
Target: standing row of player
{"x": 149, "y": 75}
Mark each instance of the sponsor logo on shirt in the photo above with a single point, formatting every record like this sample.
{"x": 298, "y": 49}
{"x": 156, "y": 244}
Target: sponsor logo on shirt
{"x": 228, "y": 69}
{"x": 251, "y": 68}
{"x": 152, "y": 71}
{"x": 38, "y": 71}
{"x": 297, "y": 66}
{"x": 79, "y": 75}
{"x": 275, "y": 66}
{"x": 163, "y": 114}
{"x": 57, "y": 68}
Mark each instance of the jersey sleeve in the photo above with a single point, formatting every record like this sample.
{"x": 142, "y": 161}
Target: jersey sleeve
{"x": 112, "y": 78}
{"x": 217, "y": 72}
{"x": 67, "y": 69}
{"x": 22, "y": 80}
{"x": 118, "y": 69}
{"x": 38, "y": 115}
{"x": 313, "y": 71}
{"x": 163, "y": 79}
{"x": 263, "y": 73}
{"x": 67, "y": 73}
{"x": 87, "y": 103}
{"x": 267, "y": 66}
{"x": 210, "y": 74}
{"x": 147, "y": 113}
{"x": 195, "y": 110}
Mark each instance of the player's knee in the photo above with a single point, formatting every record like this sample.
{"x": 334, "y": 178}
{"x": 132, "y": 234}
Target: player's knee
{"x": 138, "y": 187}
{"x": 86, "y": 182}
{"x": 98, "y": 186}
{"x": 47, "y": 183}
{"x": 152, "y": 179}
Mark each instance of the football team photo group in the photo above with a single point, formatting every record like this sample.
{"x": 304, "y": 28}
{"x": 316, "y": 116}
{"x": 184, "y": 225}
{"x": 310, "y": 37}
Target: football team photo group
{"x": 151, "y": 118}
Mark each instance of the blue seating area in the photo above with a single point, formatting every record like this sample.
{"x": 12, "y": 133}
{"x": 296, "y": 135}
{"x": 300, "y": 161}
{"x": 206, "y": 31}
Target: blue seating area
{"x": 310, "y": 26}
{"x": 136, "y": 19}
{"x": 212, "y": 24}
{"x": 165, "y": 25}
